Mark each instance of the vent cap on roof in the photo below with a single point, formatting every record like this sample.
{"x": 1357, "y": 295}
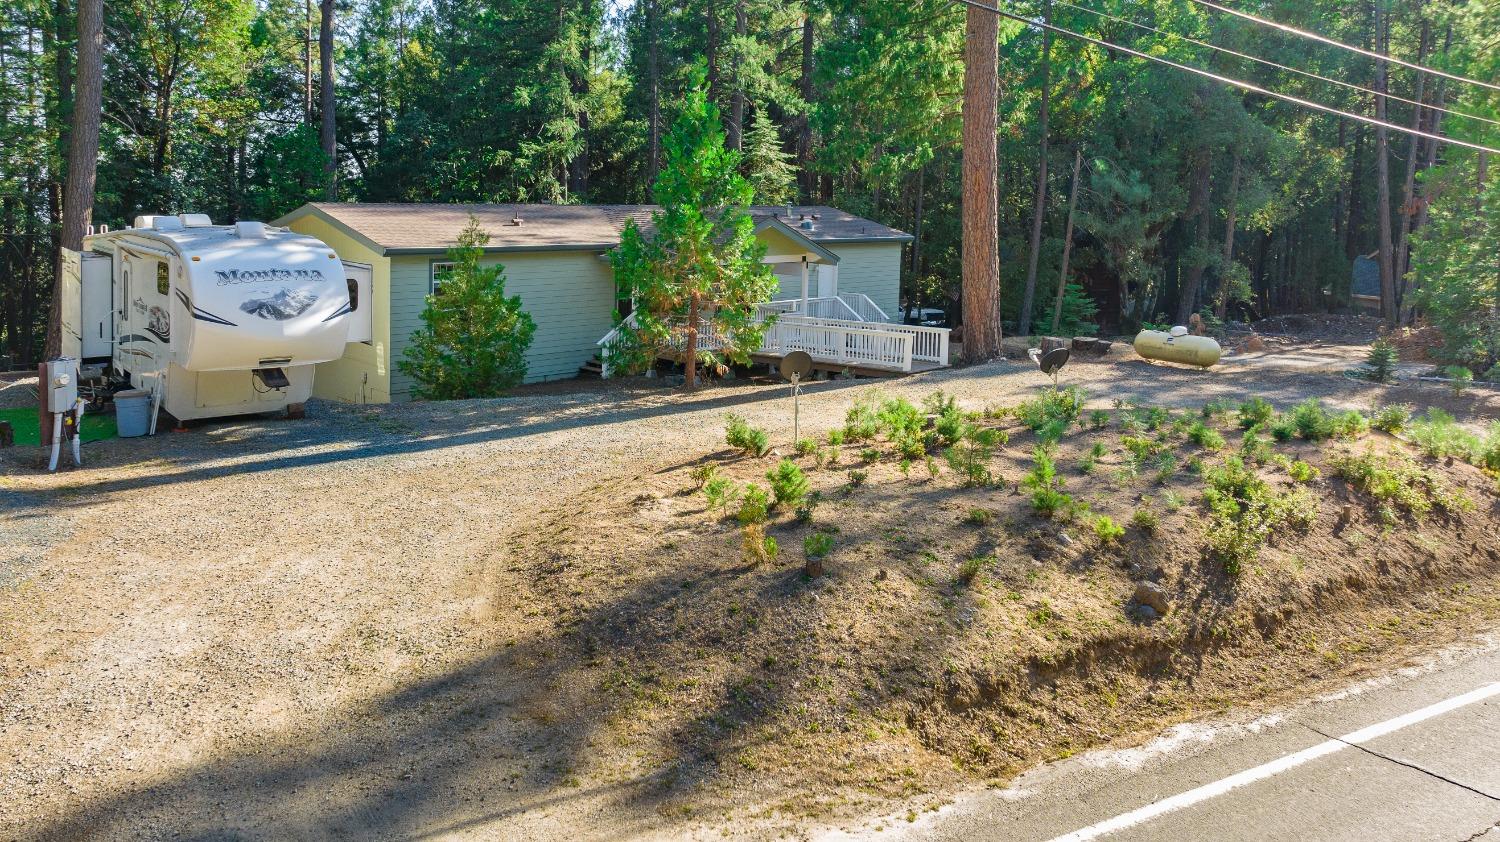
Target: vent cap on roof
{"x": 195, "y": 220}
{"x": 157, "y": 222}
{"x": 248, "y": 230}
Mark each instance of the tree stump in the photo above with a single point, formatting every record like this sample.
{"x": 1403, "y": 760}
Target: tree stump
{"x": 1052, "y": 343}
{"x": 813, "y": 568}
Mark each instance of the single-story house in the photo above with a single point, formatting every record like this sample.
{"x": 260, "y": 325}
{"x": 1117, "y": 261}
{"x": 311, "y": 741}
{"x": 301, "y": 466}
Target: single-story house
{"x": 556, "y": 260}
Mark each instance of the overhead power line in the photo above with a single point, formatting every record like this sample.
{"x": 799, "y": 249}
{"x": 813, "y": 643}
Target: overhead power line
{"x": 1269, "y": 63}
{"x": 1341, "y": 45}
{"x": 1234, "y": 83}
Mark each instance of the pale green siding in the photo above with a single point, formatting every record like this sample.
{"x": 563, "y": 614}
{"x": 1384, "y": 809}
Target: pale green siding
{"x": 569, "y": 294}
{"x": 873, "y": 269}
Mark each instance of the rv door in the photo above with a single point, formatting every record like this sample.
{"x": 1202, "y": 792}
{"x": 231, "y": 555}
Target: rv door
{"x": 361, "y": 305}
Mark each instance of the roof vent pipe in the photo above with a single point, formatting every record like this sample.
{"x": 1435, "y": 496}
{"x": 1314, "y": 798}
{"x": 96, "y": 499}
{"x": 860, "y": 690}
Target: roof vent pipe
{"x": 807, "y": 225}
{"x": 516, "y": 221}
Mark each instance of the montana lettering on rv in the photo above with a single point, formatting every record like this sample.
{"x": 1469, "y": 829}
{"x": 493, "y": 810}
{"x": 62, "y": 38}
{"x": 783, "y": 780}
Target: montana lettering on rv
{"x": 255, "y": 276}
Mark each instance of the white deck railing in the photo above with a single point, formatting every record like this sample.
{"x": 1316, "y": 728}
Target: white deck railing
{"x": 843, "y": 341}
{"x": 866, "y": 309}
{"x": 929, "y": 344}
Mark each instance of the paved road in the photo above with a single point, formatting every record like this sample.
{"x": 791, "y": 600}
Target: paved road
{"x": 1411, "y": 756}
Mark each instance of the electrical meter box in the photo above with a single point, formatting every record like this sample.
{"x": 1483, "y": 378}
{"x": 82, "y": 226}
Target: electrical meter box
{"x": 61, "y": 383}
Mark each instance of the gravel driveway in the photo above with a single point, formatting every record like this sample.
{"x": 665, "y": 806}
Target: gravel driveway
{"x": 251, "y": 630}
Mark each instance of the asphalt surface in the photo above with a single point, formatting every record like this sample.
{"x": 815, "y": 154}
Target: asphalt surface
{"x": 1420, "y": 760}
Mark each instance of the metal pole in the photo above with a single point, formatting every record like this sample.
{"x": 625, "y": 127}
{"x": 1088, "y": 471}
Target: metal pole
{"x": 804, "y": 285}
{"x": 796, "y": 409}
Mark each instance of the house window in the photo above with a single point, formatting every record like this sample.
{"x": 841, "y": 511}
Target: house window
{"x": 440, "y": 273}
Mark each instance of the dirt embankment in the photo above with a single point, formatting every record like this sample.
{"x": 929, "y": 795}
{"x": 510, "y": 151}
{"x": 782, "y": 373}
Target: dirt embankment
{"x": 959, "y": 636}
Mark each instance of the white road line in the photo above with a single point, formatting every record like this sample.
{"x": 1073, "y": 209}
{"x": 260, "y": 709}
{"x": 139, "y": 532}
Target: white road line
{"x": 1275, "y": 767}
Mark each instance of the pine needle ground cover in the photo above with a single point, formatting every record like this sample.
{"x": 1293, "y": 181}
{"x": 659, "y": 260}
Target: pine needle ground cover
{"x": 964, "y": 624}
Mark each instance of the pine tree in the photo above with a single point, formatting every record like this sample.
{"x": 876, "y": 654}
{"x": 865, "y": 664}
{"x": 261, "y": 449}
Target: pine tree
{"x": 770, "y": 168}
{"x": 1380, "y": 365}
{"x": 473, "y": 340}
{"x": 700, "y": 269}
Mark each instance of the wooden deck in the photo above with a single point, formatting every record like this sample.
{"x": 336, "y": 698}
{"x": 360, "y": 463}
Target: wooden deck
{"x": 834, "y": 367}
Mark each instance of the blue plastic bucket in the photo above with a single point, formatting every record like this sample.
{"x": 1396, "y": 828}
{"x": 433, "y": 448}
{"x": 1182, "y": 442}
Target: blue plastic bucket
{"x": 132, "y": 413}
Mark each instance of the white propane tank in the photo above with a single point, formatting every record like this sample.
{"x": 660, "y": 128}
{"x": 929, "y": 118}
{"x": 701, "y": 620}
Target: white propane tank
{"x": 1177, "y": 346}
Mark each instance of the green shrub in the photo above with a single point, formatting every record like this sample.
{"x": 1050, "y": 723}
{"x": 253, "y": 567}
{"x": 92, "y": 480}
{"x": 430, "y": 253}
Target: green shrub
{"x": 1398, "y": 483}
{"x": 1380, "y": 363}
{"x": 1489, "y": 452}
{"x": 938, "y": 403}
{"x": 862, "y": 421}
{"x": 1087, "y": 464}
{"x": 979, "y": 517}
{"x": 741, "y": 436}
{"x": 1099, "y": 419}
{"x": 1217, "y": 408}
{"x": 1051, "y": 408}
{"x": 1312, "y": 420}
{"x": 473, "y": 340}
{"x": 788, "y": 483}
{"x": 970, "y": 457}
{"x": 1145, "y": 519}
{"x": 1283, "y": 428}
{"x": 970, "y": 568}
{"x": 1256, "y": 411}
{"x": 1350, "y": 424}
{"x": 755, "y": 504}
{"x": 1436, "y": 434}
{"x": 1459, "y": 378}
{"x": 1166, "y": 468}
{"x": 1300, "y": 471}
{"x": 1243, "y": 514}
{"x": 806, "y": 447}
{"x": 808, "y": 507}
{"x": 1172, "y": 500}
{"x": 817, "y": 545}
{"x": 836, "y": 438}
{"x": 1042, "y": 481}
{"x": 1391, "y": 419}
{"x": 1253, "y": 448}
{"x": 701, "y": 474}
{"x": 898, "y": 417}
{"x": 1107, "y": 530}
{"x": 870, "y": 454}
{"x": 758, "y": 547}
{"x": 1205, "y": 437}
{"x": 857, "y": 478}
{"x": 1141, "y": 449}
{"x": 719, "y": 491}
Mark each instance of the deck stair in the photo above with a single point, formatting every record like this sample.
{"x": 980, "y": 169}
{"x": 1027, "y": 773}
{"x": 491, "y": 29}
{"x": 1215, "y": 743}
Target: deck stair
{"x": 841, "y": 333}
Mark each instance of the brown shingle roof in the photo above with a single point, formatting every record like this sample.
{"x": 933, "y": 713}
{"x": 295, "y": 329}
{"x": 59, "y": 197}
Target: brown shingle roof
{"x": 435, "y": 227}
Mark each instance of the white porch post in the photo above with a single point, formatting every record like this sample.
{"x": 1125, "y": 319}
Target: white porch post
{"x": 804, "y": 285}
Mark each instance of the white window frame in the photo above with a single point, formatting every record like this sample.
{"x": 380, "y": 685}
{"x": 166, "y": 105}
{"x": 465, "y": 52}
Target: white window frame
{"x": 433, "y": 284}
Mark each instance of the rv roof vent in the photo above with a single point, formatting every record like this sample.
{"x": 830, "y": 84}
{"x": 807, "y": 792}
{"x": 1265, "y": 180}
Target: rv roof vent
{"x": 195, "y": 220}
{"x": 248, "y": 230}
{"x": 144, "y": 221}
{"x": 166, "y": 223}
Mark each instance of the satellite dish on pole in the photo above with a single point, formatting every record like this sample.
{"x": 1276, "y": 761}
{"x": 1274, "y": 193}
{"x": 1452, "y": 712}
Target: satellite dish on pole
{"x": 1053, "y": 361}
{"x": 794, "y": 367}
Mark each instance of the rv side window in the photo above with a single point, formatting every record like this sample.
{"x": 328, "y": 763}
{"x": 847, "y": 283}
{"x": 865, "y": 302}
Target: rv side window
{"x": 353, "y": 294}
{"x": 440, "y": 273}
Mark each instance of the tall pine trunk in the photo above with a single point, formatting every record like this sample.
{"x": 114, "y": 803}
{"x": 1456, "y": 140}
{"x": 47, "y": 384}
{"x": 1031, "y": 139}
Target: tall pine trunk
{"x": 1401, "y": 258}
{"x": 653, "y": 73}
{"x": 981, "y": 253}
{"x": 325, "y": 98}
{"x": 83, "y": 150}
{"x": 1231, "y": 209}
{"x": 1383, "y": 176}
{"x": 1062, "y": 277}
{"x": 1039, "y": 210}
{"x": 807, "y": 180}
{"x": 734, "y": 132}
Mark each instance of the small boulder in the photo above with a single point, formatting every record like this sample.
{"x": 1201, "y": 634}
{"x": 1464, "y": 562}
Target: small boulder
{"x": 1152, "y": 595}
{"x": 1145, "y": 613}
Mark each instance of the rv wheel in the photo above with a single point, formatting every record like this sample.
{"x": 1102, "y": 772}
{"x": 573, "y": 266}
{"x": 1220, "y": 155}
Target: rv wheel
{"x": 296, "y": 411}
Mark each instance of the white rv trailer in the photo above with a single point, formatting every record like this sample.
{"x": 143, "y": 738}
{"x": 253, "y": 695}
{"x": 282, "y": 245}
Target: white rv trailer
{"x": 214, "y": 320}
